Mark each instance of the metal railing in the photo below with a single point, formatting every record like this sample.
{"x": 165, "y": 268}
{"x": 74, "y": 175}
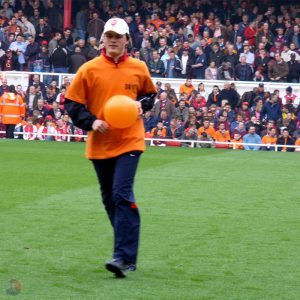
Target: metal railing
{"x": 189, "y": 143}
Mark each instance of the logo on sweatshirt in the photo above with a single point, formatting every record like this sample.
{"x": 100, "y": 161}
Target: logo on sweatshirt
{"x": 131, "y": 87}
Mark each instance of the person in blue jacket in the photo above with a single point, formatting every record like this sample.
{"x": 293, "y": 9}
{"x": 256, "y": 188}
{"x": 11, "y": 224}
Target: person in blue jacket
{"x": 252, "y": 138}
{"x": 271, "y": 109}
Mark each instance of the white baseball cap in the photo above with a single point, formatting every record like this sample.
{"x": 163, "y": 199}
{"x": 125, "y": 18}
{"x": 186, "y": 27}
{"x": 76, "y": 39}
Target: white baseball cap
{"x": 116, "y": 25}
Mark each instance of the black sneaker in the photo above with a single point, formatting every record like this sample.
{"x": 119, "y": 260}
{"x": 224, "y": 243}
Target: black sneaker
{"x": 117, "y": 267}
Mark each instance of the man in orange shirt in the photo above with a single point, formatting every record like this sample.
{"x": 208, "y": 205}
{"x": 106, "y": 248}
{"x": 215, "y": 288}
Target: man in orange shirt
{"x": 207, "y": 129}
{"x": 157, "y": 22}
{"x": 12, "y": 110}
{"x": 114, "y": 152}
{"x": 269, "y": 140}
{"x": 222, "y": 135}
{"x": 187, "y": 87}
{"x": 237, "y": 139}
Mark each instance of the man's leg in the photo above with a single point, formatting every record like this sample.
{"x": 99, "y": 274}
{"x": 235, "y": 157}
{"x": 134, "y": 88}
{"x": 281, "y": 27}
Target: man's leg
{"x": 105, "y": 172}
{"x": 10, "y": 128}
{"x": 127, "y": 218}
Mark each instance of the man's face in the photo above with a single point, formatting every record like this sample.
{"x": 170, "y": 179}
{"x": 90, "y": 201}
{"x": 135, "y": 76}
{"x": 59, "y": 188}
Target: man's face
{"x": 32, "y": 90}
{"x": 285, "y": 134}
{"x": 241, "y": 126}
{"x": 164, "y": 115}
{"x": 66, "y": 80}
{"x": 181, "y": 104}
{"x": 274, "y": 99}
{"x": 246, "y": 48}
{"x": 114, "y": 43}
{"x": 81, "y": 43}
{"x": 162, "y": 42}
{"x": 163, "y": 96}
{"x": 227, "y": 107}
{"x": 40, "y": 102}
{"x": 215, "y": 47}
{"x": 67, "y": 32}
{"x": 252, "y": 130}
{"x": 148, "y": 114}
{"x": 215, "y": 90}
{"x": 198, "y": 51}
{"x": 226, "y": 86}
{"x": 277, "y": 57}
{"x": 206, "y": 124}
{"x": 188, "y": 82}
{"x": 141, "y": 28}
{"x": 236, "y": 27}
{"x": 272, "y": 132}
{"x": 155, "y": 55}
{"x": 173, "y": 123}
{"x": 237, "y": 136}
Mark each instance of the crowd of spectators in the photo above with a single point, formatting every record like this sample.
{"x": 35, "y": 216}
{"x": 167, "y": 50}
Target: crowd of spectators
{"x": 211, "y": 117}
{"x": 215, "y": 118}
{"x": 203, "y": 39}
{"x": 45, "y": 117}
{"x": 193, "y": 113}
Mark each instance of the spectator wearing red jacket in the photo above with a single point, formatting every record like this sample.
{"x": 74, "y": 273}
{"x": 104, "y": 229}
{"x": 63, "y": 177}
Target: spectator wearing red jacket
{"x": 198, "y": 102}
{"x": 250, "y": 33}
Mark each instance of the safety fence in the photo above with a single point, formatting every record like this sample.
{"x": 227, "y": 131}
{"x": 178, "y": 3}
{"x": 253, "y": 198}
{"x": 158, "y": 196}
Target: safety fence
{"x": 173, "y": 142}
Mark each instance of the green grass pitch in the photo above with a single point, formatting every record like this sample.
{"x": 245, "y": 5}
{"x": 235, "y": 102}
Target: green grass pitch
{"x": 216, "y": 224}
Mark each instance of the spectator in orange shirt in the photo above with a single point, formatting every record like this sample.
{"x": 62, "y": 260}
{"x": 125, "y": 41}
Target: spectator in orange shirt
{"x": 157, "y": 22}
{"x": 207, "y": 128}
{"x": 269, "y": 139}
{"x": 159, "y": 132}
{"x": 237, "y": 138}
{"x": 187, "y": 87}
{"x": 222, "y": 135}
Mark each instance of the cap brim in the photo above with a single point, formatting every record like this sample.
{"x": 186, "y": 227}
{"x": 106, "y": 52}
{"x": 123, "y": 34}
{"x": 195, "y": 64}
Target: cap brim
{"x": 119, "y": 31}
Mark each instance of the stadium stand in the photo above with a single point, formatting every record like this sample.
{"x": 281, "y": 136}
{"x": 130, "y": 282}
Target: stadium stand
{"x": 242, "y": 60}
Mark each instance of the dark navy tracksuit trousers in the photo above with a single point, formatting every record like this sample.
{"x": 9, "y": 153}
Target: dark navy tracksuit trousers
{"x": 116, "y": 178}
